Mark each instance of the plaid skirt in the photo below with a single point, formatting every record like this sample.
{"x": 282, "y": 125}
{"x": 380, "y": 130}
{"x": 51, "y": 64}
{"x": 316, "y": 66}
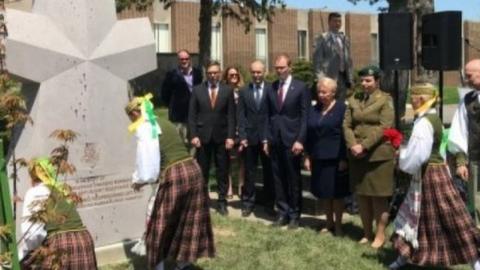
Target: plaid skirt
{"x": 180, "y": 227}
{"x": 72, "y": 250}
{"x": 446, "y": 232}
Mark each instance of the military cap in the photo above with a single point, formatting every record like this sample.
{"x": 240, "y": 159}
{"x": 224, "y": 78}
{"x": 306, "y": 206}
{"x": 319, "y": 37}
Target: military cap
{"x": 370, "y": 71}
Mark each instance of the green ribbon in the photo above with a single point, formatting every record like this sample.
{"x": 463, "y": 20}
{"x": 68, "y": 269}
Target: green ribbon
{"x": 150, "y": 115}
{"x": 48, "y": 175}
{"x": 444, "y": 142}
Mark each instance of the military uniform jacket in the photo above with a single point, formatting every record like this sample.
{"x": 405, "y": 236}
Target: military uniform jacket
{"x": 365, "y": 120}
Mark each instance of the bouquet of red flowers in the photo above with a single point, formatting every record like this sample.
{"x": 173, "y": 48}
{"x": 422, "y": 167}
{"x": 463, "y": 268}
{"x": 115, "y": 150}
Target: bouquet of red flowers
{"x": 393, "y": 136}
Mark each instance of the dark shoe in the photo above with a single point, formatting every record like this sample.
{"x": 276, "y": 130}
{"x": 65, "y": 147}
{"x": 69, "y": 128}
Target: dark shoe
{"x": 222, "y": 209}
{"x": 246, "y": 212}
{"x": 293, "y": 224}
{"x": 352, "y": 209}
{"x": 281, "y": 221}
{"x": 270, "y": 211}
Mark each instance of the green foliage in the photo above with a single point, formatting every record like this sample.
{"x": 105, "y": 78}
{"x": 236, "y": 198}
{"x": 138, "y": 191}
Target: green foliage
{"x": 245, "y": 73}
{"x": 12, "y": 107}
{"x": 137, "y": 4}
{"x": 271, "y": 77}
{"x": 303, "y": 70}
{"x": 450, "y": 95}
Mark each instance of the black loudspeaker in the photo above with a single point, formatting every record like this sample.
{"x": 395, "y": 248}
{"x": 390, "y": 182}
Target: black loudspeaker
{"x": 395, "y": 36}
{"x": 442, "y": 40}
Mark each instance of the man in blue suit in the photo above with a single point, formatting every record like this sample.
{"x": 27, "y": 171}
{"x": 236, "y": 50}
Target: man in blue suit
{"x": 288, "y": 103}
{"x": 252, "y": 118}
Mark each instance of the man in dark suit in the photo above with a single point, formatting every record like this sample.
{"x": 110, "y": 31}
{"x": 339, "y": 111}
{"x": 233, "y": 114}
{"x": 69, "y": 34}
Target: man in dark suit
{"x": 252, "y": 118}
{"x": 211, "y": 123}
{"x": 176, "y": 91}
{"x": 287, "y": 110}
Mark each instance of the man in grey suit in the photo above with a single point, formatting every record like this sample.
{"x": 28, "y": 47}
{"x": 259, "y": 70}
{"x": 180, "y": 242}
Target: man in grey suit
{"x": 332, "y": 56}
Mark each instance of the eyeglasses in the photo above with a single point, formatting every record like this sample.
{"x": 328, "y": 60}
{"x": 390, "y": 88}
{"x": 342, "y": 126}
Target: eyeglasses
{"x": 233, "y": 75}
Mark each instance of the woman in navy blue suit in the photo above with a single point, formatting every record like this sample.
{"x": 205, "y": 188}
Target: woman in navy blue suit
{"x": 326, "y": 157}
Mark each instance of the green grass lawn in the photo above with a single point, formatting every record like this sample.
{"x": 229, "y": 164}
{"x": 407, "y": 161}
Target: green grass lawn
{"x": 450, "y": 95}
{"x": 247, "y": 245}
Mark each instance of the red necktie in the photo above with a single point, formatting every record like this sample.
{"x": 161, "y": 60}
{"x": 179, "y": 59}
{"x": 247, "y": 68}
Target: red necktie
{"x": 280, "y": 94}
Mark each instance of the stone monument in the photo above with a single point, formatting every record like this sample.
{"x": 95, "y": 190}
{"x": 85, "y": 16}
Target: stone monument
{"x": 81, "y": 59}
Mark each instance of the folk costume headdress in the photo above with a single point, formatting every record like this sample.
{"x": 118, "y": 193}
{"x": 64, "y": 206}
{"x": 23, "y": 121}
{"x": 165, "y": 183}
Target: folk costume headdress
{"x": 145, "y": 106}
{"x": 425, "y": 89}
{"x": 42, "y": 169}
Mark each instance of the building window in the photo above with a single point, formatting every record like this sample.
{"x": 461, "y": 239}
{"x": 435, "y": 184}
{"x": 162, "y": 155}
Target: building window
{"x": 302, "y": 45}
{"x": 261, "y": 45}
{"x": 374, "y": 48}
{"x": 161, "y": 33}
{"x": 216, "y": 46}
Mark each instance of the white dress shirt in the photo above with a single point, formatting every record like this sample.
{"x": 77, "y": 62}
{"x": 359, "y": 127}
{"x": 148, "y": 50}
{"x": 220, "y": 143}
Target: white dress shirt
{"x": 286, "y": 86}
{"x": 458, "y": 136}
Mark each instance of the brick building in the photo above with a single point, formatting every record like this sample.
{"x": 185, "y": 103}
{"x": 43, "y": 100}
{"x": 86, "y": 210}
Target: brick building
{"x": 292, "y": 31}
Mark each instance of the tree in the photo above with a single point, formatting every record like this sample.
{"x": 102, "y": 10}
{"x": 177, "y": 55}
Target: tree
{"x": 418, "y": 8}
{"x": 243, "y": 11}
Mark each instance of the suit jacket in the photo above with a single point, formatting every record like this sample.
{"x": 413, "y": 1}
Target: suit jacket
{"x": 326, "y": 57}
{"x": 252, "y": 119}
{"x": 365, "y": 122}
{"x": 288, "y": 123}
{"x": 209, "y": 123}
{"x": 176, "y": 94}
{"x": 325, "y": 138}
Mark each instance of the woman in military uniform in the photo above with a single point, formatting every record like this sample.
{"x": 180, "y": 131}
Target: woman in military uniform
{"x": 371, "y": 159}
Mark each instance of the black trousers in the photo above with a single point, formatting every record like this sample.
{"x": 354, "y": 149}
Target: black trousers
{"x": 220, "y": 155}
{"x": 252, "y": 153}
{"x": 287, "y": 181}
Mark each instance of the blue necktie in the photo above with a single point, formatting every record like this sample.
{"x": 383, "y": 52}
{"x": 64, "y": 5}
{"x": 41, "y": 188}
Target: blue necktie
{"x": 257, "y": 95}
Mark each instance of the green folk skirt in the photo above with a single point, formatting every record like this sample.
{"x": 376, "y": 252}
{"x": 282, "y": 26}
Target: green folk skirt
{"x": 371, "y": 178}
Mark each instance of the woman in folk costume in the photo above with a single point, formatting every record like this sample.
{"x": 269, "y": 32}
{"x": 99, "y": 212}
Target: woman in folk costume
{"x": 180, "y": 226}
{"x": 433, "y": 226}
{"x": 147, "y": 161}
{"x": 53, "y": 232}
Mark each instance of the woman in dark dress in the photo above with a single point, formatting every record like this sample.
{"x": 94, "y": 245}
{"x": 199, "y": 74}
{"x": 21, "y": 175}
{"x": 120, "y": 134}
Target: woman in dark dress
{"x": 233, "y": 78}
{"x": 326, "y": 153}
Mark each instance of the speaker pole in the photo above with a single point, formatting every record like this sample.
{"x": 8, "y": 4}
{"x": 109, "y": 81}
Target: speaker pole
{"x": 440, "y": 90}
{"x": 396, "y": 97}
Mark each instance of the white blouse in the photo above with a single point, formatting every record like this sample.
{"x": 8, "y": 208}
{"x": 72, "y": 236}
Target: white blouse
{"x": 33, "y": 233}
{"x": 147, "y": 164}
{"x": 419, "y": 147}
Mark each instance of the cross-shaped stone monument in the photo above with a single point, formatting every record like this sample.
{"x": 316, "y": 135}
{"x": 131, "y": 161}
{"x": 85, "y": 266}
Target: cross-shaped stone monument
{"x": 82, "y": 58}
